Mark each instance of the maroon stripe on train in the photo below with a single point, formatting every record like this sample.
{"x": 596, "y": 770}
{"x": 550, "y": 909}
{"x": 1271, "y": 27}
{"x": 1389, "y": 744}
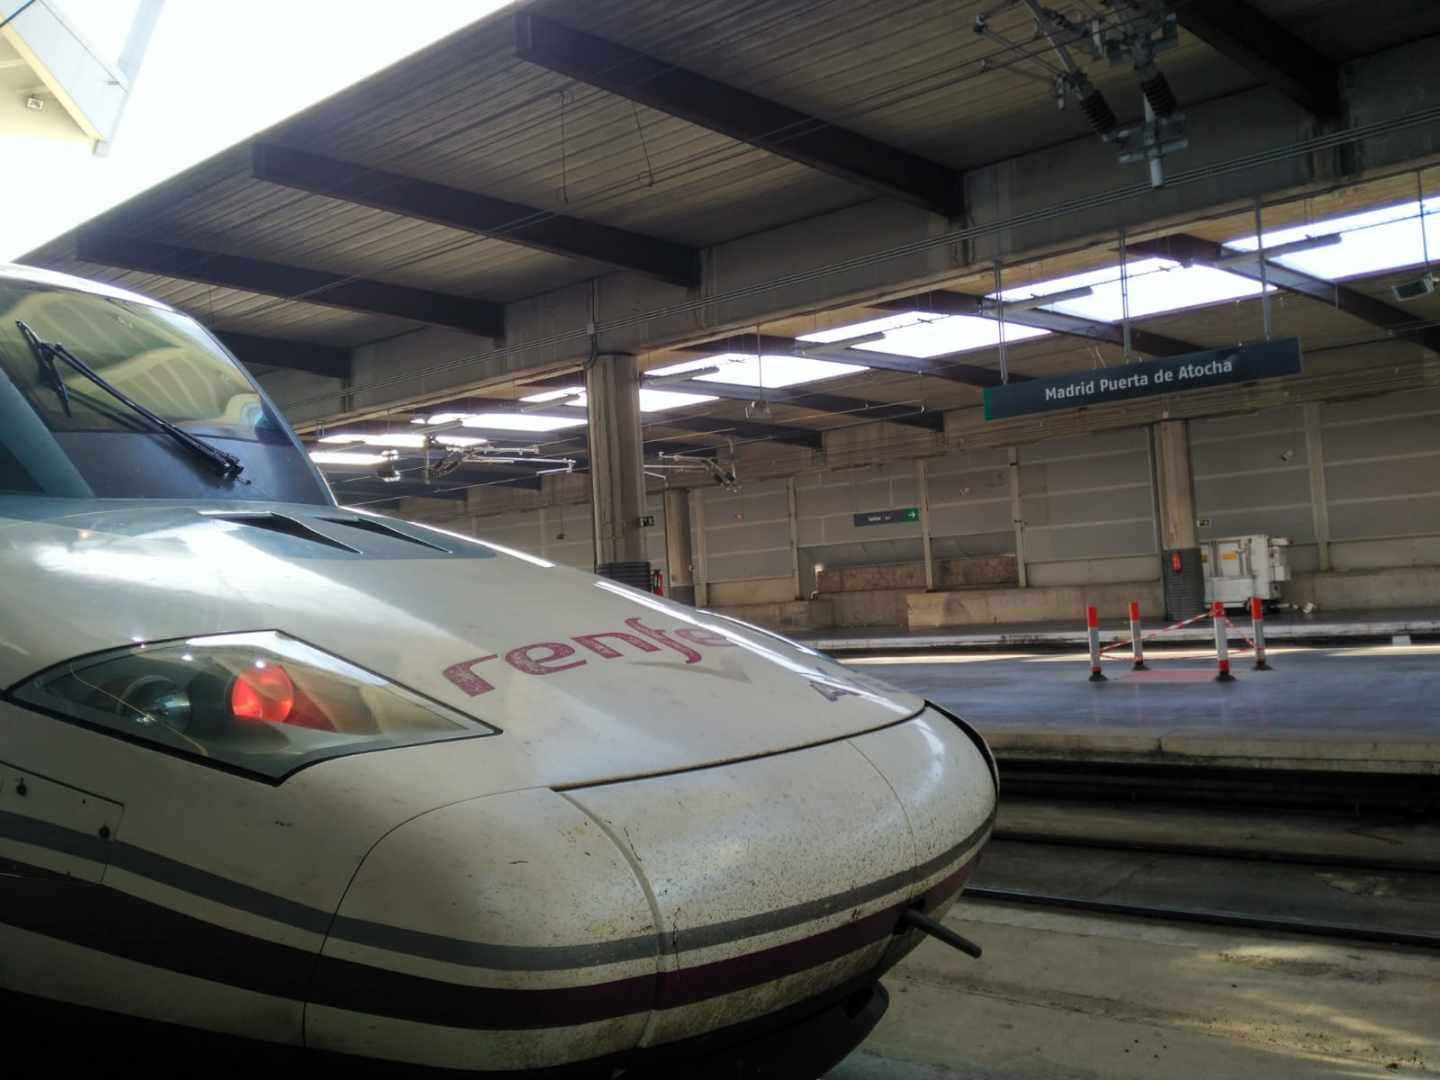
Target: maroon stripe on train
{"x": 113, "y": 922}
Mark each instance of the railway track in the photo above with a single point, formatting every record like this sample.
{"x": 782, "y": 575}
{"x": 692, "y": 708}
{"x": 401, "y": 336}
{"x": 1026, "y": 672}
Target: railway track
{"x": 1332, "y": 931}
{"x": 1414, "y": 795}
{"x": 1344, "y": 857}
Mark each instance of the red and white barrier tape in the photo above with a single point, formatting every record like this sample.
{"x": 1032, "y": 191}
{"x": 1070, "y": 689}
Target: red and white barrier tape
{"x": 1249, "y": 643}
{"x": 1157, "y": 633}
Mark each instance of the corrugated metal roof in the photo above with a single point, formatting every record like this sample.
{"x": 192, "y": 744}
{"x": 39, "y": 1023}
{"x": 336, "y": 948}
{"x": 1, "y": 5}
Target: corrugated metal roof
{"x": 466, "y": 112}
{"x": 912, "y": 74}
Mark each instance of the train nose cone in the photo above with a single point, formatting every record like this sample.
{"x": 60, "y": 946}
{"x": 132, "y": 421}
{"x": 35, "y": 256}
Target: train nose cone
{"x": 780, "y": 879}
{"x": 506, "y": 932}
{"x": 534, "y": 928}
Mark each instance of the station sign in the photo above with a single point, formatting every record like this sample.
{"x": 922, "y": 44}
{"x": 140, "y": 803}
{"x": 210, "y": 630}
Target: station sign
{"x": 1173, "y": 375}
{"x": 888, "y": 517}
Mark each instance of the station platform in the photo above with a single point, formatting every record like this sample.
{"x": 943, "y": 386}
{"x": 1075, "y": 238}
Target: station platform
{"x": 1279, "y": 627}
{"x": 1358, "y": 707}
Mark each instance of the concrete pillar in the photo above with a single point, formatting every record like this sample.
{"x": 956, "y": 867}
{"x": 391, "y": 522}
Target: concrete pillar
{"x": 679, "y": 552}
{"x": 617, "y": 477}
{"x": 922, "y": 492}
{"x": 1182, "y": 574}
{"x": 796, "y": 590}
{"x": 1017, "y": 515}
{"x": 1319, "y": 499}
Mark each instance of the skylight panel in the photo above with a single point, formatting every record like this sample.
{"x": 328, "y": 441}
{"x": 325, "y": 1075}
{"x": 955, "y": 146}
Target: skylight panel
{"x": 952, "y": 334}
{"x": 770, "y": 372}
{"x": 660, "y": 400}
{"x": 1371, "y": 242}
{"x": 1156, "y": 286}
{"x": 650, "y": 400}
{"x": 870, "y": 326}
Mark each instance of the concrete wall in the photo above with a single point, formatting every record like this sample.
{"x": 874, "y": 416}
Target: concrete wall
{"x": 970, "y": 607}
{"x": 746, "y": 534}
{"x": 1354, "y": 484}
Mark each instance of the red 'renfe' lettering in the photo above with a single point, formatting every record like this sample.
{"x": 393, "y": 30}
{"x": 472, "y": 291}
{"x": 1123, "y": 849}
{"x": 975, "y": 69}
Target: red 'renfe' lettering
{"x": 547, "y": 657}
{"x": 609, "y": 652}
{"x": 461, "y": 675}
{"x": 691, "y": 655}
{"x": 522, "y": 660}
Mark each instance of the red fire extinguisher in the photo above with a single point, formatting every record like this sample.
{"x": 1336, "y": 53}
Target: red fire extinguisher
{"x": 657, "y": 582}
{"x": 1176, "y": 564}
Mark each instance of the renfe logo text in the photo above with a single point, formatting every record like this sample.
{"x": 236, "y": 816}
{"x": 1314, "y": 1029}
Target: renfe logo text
{"x": 550, "y": 657}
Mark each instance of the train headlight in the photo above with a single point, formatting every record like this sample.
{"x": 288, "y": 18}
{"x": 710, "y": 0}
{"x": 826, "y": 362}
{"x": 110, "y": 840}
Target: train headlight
{"x": 262, "y": 703}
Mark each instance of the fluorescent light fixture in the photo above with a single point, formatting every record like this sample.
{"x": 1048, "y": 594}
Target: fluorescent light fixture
{"x": 851, "y": 333}
{"x": 952, "y": 334}
{"x": 404, "y": 441}
{"x": 460, "y": 441}
{"x": 555, "y": 396}
{"x": 506, "y": 421}
{"x": 1156, "y": 286}
{"x": 345, "y": 457}
{"x": 770, "y": 372}
{"x": 1371, "y": 242}
{"x": 650, "y": 400}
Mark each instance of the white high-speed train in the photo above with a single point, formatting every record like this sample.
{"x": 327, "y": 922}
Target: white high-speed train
{"x": 275, "y": 769}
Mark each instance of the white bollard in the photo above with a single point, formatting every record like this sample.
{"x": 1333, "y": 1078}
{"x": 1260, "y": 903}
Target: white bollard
{"x": 1092, "y": 624}
{"x": 1257, "y": 624}
{"x": 1137, "y": 646}
{"x": 1222, "y": 646}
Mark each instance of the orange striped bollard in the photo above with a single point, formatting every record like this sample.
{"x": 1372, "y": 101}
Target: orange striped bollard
{"x": 1137, "y": 645}
{"x": 1092, "y": 625}
{"x": 1222, "y": 646}
{"x": 1257, "y": 624}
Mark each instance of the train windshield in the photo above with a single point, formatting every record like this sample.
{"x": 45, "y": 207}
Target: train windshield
{"x": 105, "y": 395}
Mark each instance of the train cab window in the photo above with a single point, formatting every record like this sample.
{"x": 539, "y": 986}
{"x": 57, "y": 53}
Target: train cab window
{"x": 108, "y": 395}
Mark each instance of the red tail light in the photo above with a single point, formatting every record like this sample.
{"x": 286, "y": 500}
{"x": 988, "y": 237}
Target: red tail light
{"x": 263, "y": 693}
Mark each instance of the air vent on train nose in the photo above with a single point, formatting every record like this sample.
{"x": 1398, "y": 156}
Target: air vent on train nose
{"x": 379, "y": 528}
{"x": 286, "y": 526}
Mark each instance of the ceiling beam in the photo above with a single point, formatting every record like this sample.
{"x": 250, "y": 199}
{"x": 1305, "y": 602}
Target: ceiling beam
{"x": 1267, "y": 50}
{"x": 1194, "y": 250}
{"x": 738, "y": 114}
{"x": 896, "y": 412}
{"x": 304, "y": 356}
{"x": 292, "y": 283}
{"x": 514, "y": 223}
{"x": 940, "y": 367}
{"x": 747, "y": 345}
{"x": 946, "y": 302}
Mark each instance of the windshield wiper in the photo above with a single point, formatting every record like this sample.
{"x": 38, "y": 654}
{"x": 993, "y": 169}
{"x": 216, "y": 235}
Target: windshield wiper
{"x": 47, "y": 352}
{"x": 47, "y": 366}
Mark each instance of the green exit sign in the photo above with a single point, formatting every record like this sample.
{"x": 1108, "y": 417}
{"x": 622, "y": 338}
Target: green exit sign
{"x": 888, "y": 517}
